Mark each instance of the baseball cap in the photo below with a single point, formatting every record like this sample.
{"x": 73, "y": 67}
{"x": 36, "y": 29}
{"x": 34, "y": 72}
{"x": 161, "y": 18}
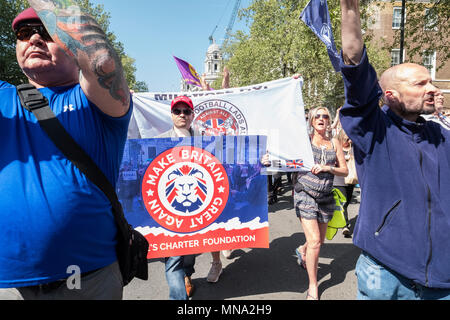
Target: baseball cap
{"x": 25, "y": 15}
{"x": 182, "y": 99}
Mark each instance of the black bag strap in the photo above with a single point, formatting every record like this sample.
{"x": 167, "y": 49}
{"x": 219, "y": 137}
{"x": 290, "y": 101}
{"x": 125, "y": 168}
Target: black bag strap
{"x": 36, "y": 103}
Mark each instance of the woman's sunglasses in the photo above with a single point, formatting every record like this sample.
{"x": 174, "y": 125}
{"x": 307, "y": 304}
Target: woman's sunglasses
{"x": 323, "y": 116}
{"x": 24, "y": 33}
{"x": 186, "y": 112}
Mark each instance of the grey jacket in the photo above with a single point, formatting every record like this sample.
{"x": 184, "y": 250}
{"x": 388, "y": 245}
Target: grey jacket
{"x": 172, "y": 133}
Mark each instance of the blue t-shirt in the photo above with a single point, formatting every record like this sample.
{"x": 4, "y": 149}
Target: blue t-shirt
{"x": 51, "y": 215}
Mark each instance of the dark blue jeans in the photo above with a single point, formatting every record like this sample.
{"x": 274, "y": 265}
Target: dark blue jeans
{"x": 377, "y": 282}
{"x": 176, "y": 269}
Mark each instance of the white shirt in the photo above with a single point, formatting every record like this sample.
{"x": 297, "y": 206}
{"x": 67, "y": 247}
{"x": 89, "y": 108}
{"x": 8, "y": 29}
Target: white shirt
{"x": 442, "y": 120}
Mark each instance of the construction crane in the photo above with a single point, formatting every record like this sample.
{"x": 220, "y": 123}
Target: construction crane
{"x": 230, "y": 23}
{"x": 211, "y": 39}
{"x": 232, "y": 19}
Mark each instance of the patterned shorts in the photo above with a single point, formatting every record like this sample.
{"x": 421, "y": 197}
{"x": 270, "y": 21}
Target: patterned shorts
{"x": 306, "y": 207}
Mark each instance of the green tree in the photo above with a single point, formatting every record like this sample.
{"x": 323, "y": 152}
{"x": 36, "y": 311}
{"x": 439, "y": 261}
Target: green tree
{"x": 10, "y": 70}
{"x": 280, "y": 45}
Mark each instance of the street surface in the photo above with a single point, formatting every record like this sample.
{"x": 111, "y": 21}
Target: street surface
{"x": 267, "y": 274}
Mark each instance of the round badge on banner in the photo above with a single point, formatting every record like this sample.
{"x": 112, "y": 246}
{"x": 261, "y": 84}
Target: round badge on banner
{"x": 185, "y": 189}
{"x": 219, "y": 117}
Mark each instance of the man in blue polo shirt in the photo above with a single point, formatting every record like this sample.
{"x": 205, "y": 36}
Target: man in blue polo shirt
{"x": 56, "y": 224}
{"x": 403, "y": 165}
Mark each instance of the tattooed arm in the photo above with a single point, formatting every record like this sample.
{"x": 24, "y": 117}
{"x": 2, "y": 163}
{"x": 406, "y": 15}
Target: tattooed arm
{"x": 102, "y": 78}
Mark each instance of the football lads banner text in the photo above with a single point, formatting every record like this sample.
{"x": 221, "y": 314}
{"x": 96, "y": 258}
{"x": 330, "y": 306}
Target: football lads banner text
{"x": 196, "y": 194}
{"x": 274, "y": 109}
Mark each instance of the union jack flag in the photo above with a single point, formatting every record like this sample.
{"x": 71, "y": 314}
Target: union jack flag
{"x": 294, "y": 163}
{"x": 216, "y": 124}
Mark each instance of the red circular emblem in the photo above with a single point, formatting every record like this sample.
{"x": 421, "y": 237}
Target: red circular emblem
{"x": 219, "y": 117}
{"x": 185, "y": 189}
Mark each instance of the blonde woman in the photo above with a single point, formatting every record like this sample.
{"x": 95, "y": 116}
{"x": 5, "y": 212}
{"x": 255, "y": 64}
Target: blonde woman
{"x": 313, "y": 196}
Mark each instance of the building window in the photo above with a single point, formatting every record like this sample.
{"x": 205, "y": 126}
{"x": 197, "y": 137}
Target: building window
{"x": 431, "y": 19}
{"x": 429, "y": 62}
{"x": 215, "y": 67}
{"x": 397, "y": 18}
{"x": 395, "y": 57}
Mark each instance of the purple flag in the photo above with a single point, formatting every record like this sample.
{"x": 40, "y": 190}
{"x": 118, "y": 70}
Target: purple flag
{"x": 188, "y": 72}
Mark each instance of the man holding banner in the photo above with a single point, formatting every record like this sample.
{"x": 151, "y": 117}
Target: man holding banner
{"x": 239, "y": 126}
{"x": 191, "y": 205}
{"x": 180, "y": 268}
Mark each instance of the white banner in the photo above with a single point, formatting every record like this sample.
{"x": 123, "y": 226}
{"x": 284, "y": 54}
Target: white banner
{"x": 274, "y": 109}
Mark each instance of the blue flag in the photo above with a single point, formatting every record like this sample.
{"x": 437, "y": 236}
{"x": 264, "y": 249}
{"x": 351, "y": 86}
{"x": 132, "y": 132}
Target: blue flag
{"x": 316, "y": 16}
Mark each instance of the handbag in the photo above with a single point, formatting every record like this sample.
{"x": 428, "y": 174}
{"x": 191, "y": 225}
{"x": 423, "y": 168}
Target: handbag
{"x": 352, "y": 177}
{"x": 132, "y": 247}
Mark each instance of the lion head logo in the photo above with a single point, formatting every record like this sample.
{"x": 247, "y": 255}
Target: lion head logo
{"x": 186, "y": 189}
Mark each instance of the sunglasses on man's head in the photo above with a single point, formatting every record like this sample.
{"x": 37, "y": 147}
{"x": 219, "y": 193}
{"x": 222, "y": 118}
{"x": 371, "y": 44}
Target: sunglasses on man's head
{"x": 323, "y": 116}
{"x": 186, "y": 112}
{"x": 25, "y": 32}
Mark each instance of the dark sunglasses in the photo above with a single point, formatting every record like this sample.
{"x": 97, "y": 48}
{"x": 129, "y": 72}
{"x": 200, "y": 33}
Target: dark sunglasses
{"x": 323, "y": 116}
{"x": 24, "y": 33}
{"x": 186, "y": 112}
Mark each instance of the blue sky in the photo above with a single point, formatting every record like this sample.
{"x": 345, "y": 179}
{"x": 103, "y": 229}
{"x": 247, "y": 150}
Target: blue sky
{"x": 153, "y": 31}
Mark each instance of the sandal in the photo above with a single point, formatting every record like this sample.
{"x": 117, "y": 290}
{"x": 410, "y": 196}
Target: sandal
{"x": 301, "y": 262}
{"x": 310, "y": 296}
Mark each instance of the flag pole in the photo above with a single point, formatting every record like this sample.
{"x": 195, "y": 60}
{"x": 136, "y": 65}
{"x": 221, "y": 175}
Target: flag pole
{"x": 402, "y": 30}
